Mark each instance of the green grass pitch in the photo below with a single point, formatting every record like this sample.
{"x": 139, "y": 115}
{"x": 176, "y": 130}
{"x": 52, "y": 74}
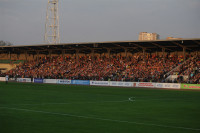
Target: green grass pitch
{"x": 45, "y": 108}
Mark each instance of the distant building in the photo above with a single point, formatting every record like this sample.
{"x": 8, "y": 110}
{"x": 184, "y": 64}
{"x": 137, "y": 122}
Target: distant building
{"x": 173, "y": 38}
{"x": 148, "y": 36}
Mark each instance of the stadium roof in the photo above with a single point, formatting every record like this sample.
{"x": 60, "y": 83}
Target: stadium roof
{"x": 190, "y": 45}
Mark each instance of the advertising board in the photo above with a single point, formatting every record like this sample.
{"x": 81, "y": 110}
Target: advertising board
{"x": 2, "y": 79}
{"x": 145, "y": 84}
{"x": 28, "y": 80}
{"x": 80, "y": 82}
{"x": 12, "y": 79}
{"x": 168, "y": 85}
{"x": 122, "y": 84}
{"x": 100, "y": 83}
{"x": 50, "y": 81}
{"x": 63, "y": 81}
{"x": 38, "y": 80}
{"x": 190, "y": 86}
{"x": 128, "y": 84}
{"x": 113, "y": 83}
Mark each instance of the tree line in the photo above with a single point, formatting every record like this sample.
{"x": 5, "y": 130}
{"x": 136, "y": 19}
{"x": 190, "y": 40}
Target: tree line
{"x": 5, "y": 43}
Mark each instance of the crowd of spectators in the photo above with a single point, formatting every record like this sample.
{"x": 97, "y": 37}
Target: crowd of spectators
{"x": 2, "y": 74}
{"x": 116, "y": 68}
{"x": 190, "y": 70}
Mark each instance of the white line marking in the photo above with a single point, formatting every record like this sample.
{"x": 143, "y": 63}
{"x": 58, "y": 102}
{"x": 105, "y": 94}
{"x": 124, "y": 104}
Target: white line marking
{"x": 102, "y": 119}
{"x": 131, "y": 99}
{"x": 75, "y": 102}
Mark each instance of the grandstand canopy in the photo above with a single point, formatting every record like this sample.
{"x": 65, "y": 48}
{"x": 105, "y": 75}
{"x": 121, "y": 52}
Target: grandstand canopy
{"x": 189, "y": 45}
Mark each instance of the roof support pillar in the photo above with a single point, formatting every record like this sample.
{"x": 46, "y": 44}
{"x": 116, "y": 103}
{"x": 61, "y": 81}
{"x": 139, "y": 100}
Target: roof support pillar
{"x": 77, "y": 55}
{"x": 108, "y": 52}
{"x": 144, "y": 53}
{"x": 92, "y": 51}
{"x": 176, "y": 53}
{"x": 10, "y": 54}
{"x": 63, "y": 53}
{"x": 37, "y": 56}
{"x": 26, "y": 56}
{"x": 125, "y": 49}
{"x": 156, "y": 53}
{"x": 184, "y": 50}
{"x": 163, "y": 52}
{"x": 50, "y": 53}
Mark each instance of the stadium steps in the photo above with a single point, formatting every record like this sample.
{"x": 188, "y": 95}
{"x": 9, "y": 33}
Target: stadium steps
{"x": 18, "y": 61}
{"x": 6, "y": 65}
{"x": 5, "y": 61}
{"x": 11, "y": 61}
{"x": 172, "y": 77}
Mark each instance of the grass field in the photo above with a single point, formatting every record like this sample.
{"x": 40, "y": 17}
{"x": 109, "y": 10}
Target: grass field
{"x": 44, "y": 108}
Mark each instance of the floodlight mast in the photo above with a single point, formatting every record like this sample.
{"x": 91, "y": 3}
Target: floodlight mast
{"x": 52, "y": 35}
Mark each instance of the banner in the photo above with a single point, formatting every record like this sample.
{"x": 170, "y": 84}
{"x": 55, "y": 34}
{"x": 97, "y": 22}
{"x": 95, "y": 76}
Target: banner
{"x": 12, "y": 79}
{"x": 128, "y": 84}
{"x": 122, "y": 84}
{"x": 50, "y": 81}
{"x": 2, "y": 79}
{"x": 113, "y": 83}
{"x": 80, "y": 82}
{"x": 63, "y": 81}
{"x": 24, "y": 80}
{"x": 168, "y": 85}
{"x": 145, "y": 84}
{"x": 100, "y": 83}
{"x": 190, "y": 86}
{"x": 38, "y": 80}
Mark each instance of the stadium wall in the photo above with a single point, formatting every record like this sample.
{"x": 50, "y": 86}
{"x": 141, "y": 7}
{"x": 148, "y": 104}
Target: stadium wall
{"x": 109, "y": 83}
{"x": 100, "y": 83}
{"x": 2, "y": 78}
{"x": 190, "y": 86}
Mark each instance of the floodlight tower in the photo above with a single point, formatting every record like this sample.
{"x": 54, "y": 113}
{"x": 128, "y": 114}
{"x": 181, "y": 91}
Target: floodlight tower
{"x": 52, "y": 35}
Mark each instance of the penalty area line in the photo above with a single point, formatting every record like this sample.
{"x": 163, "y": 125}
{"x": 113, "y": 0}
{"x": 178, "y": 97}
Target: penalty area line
{"x": 102, "y": 119}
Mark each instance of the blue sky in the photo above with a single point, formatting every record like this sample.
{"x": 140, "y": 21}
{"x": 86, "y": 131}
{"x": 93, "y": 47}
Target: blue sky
{"x": 22, "y": 22}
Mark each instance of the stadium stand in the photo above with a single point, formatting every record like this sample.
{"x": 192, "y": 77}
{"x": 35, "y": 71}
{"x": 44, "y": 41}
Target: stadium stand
{"x": 148, "y": 61}
{"x": 116, "y": 68}
{"x": 6, "y": 65}
{"x": 5, "y": 61}
{"x": 191, "y": 71}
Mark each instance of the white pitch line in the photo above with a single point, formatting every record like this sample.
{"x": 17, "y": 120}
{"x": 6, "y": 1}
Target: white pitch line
{"x": 75, "y": 103}
{"x": 102, "y": 119}
{"x": 131, "y": 99}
